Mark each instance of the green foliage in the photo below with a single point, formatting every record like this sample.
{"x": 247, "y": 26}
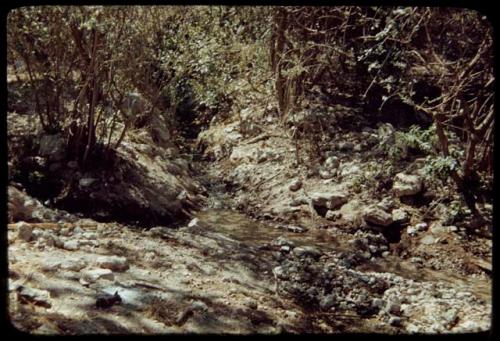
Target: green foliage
{"x": 420, "y": 140}
{"x": 440, "y": 167}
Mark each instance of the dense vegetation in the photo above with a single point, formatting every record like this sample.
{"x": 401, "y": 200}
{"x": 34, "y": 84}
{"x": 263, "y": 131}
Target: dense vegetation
{"x": 426, "y": 71}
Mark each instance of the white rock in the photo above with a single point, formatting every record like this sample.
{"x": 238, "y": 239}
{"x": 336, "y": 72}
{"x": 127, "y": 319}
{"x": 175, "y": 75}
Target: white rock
{"x": 199, "y": 306}
{"x": 332, "y": 162}
{"x": 400, "y": 216}
{"x": 330, "y": 200}
{"x": 411, "y": 230}
{"x": 428, "y": 239}
{"x": 386, "y": 204}
{"x": 36, "y": 296}
{"x": 71, "y": 245}
{"x": 72, "y": 264}
{"x": 324, "y": 174}
{"x": 51, "y": 265}
{"x": 406, "y": 184}
{"x": 114, "y": 263}
{"x": 349, "y": 169}
{"x": 194, "y": 223}
{"x": 96, "y": 274}
{"x": 421, "y": 227}
{"x": 84, "y": 182}
{"x": 333, "y": 215}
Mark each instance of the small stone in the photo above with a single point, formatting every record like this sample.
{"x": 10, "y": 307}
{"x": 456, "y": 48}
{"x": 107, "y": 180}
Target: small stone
{"x": 429, "y": 239}
{"x": 411, "y": 230}
{"x": 279, "y": 272}
{"x": 71, "y": 245}
{"x": 252, "y": 304}
{"x": 378, "y": 303}
{"x": 282, "y": 241}
{"x": 393, "y": 306}
{"x": 295, "y": 185}
{"x": 395, "y": 321}
{"x": 285, "y": 248}
{"x": 324, "y": 174}
{"x": 307, "y": 251}
{"x": 405, "y": 185}
{"x": 96, "y": 274}
{"x": 451, "y": 316}
{"x": 199, "y": 306}
{"x": 66, "y": 232}
{"x": 296, "y": 229}
{"x": 85, "y": 182}
{"x": 386, "y": 204}
{"x": 25, "y": 231}
{"x": 327, "y": 302}
{"x": 400, "y": 216}
{"x": 349, "y": 169}
{"x": 421, "y": 227}
{"x": 114, "y": 263}
{"x": 330, "y": 200}
{"x": 35, "y": 296}
{"x": 194, "y": 223}
{"x": 385, "y": 254}
{"x": 333, "y": 215}
{"x": 51, "y": 265}
{"x": 72, "y": 264}
{"x": 332, "y": 162}
{"x": 376, "y": 216}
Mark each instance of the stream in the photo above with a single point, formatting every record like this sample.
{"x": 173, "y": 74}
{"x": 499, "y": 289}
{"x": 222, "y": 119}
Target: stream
{"x": 252, "y": 235}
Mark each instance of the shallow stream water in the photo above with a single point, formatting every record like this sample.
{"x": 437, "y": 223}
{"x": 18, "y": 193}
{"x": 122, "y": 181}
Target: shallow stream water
{"x": 238, "y": 227}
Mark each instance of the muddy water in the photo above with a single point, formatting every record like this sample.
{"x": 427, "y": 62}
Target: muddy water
{"x": 240, "y": 228}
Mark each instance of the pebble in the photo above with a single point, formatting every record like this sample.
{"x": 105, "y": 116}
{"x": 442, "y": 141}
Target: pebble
{"x": 327, "y": 301}
{"x": 428, "y": 239}
{"x": 114, "y": 263}
{"x": 307, "y": 251}
{"x": 194, "y": 223}
{"x": 72, "y": 264}
{"x": 295, "y": 185}
{"x": 96, "y": 274}
{"x": 421, "y": 227}
{"x": 199, "y": 306}
{"x": 395, "y": 321}
{"x": 252, "y": 304}
{"x": 411, "y": 230}
{"x": 285, "y": 248}
{"x": 71, "y": 245}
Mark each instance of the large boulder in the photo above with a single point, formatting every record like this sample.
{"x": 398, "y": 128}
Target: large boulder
{"x": 405, "y": 184}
